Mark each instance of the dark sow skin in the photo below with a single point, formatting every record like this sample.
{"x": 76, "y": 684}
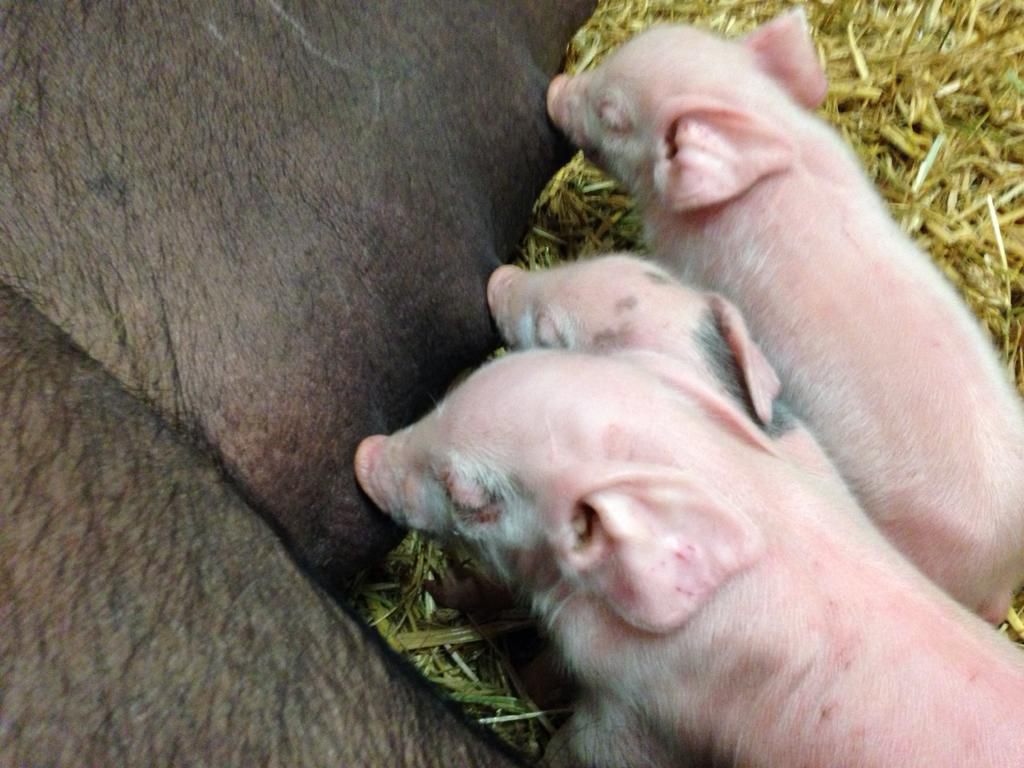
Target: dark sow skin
{"x": 273, "y": 220}
{"x": 149, "y": 618}
{"x": 236, "y": 237}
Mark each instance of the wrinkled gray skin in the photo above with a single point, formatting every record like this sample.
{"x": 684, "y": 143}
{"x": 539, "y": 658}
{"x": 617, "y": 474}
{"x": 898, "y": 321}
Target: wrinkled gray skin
{"x": 235, "y": 238}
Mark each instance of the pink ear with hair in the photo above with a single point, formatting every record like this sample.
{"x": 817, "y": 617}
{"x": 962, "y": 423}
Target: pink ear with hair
{"x": 784, "y": 50}
{"x": 759, "y": 378}
{"x": 656, "y": 547}
{"x": 710, "y": 152}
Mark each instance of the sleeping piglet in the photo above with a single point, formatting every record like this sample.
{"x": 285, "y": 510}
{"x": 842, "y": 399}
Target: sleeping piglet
{"x": 718, "y": 604}
{"x": 620, "y": 301}
{"x": 746, "y": 192}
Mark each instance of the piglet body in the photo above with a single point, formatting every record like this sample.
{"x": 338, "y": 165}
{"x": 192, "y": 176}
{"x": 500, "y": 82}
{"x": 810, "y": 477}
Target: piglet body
{"x": 746, "y": 192}
{"x": 718, "y": 603}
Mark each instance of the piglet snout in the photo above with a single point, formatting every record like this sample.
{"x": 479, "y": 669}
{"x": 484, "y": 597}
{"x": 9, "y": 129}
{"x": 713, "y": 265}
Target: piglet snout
{"x": 367, "y": 463}
{"x": 498, "y": 287}
{"x": 502, "y": 291}
{"x": 557, "y": 101}
{"x": 566, "y": 100}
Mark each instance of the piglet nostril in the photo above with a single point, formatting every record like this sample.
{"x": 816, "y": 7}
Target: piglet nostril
{"x": 366, "y": 462}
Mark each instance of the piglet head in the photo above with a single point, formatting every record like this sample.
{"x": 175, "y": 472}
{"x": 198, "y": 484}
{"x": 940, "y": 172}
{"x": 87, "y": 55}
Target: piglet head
{"x": 688, "y": 119}
{"x": 579, "y": 305}
{"x": 620, "y": 302}
{"x": 421, "y": 479}
{"x": 565, "y": 473}
{"x": 457, "y": 472}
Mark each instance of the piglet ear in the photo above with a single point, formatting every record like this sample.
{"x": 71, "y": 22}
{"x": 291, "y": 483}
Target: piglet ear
{"x": 759, "y": 378}
{"x": 710, "y": 152}
{"x": 784, "y": 50}
{"x": 656, "y": 547}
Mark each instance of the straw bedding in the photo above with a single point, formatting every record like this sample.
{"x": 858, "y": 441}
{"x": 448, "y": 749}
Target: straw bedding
{"x": 930, "y": 95}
